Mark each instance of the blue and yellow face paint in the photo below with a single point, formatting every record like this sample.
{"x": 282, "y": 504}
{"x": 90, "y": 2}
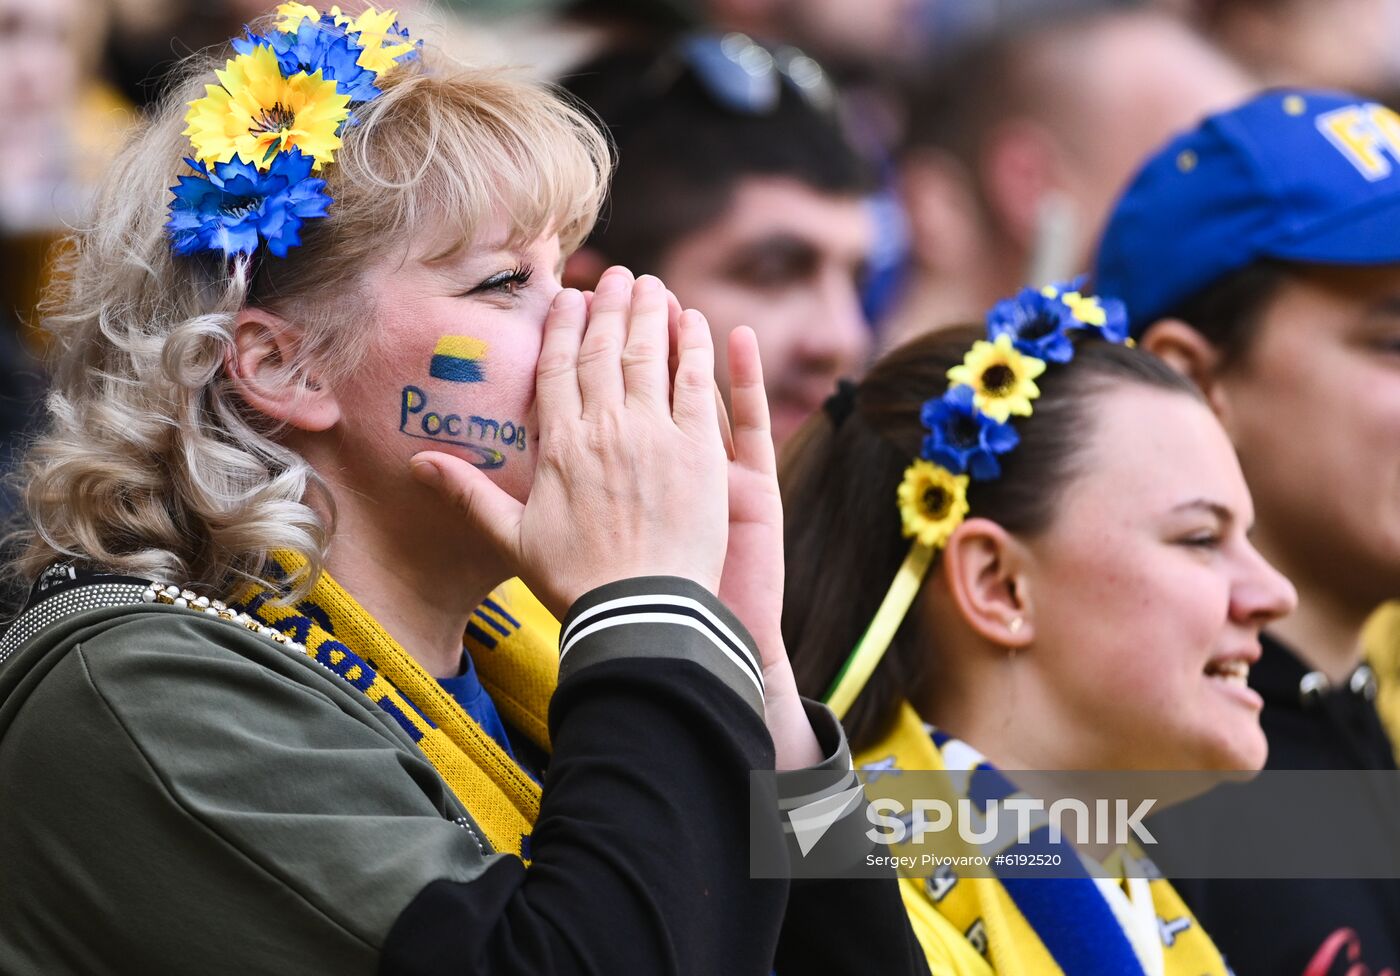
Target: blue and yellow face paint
{"x": 458, "y": 359}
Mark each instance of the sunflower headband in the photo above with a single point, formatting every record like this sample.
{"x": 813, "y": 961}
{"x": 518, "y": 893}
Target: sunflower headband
{"x": 274, "y": 118}
{"x": 968, "y": 430}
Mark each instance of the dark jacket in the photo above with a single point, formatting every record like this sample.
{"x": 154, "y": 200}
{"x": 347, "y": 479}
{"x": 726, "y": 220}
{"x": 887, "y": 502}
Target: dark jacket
{"x": 1318, "y": 927}
{"x": 181, "y": 794}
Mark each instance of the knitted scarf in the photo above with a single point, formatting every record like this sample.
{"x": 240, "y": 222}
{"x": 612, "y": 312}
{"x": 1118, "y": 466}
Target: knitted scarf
{"x": 1047, "y": 926}
{"x": 513, "y": 641}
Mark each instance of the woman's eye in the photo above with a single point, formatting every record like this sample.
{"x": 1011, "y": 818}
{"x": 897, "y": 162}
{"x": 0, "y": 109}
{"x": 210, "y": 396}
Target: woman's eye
{"x": 505, "y": 282}
{"x": 1202, "y": 540}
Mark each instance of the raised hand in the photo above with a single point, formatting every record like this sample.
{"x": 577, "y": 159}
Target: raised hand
{"x": 752, "y": 585}
{"x": 630, "y": 478}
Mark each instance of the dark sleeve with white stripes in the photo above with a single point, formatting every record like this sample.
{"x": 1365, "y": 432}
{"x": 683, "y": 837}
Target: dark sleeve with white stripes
{"x": 640, "y": 853}
{"x": 839, "y": 926}
{"x": 661, "y": 618}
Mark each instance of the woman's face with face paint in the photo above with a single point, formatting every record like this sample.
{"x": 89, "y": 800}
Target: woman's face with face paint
{"x": 452, "y": 367}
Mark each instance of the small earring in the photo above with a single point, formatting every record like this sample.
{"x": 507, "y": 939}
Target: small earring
{"x": 1016, "y": 624}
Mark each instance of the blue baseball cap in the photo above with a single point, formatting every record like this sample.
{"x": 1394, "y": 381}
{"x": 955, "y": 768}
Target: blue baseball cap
{"x": 1306, "y": 176}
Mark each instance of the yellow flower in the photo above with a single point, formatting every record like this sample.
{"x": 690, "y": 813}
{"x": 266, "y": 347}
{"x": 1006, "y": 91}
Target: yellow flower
{"x": 1002, "y": 379}
{"x": 383, "y": 45}
{"x": 932, "y": 502}
{"x": 255, "y": 113}
{"x": 290, "y": 16}
{"x": 1087, "y": 310}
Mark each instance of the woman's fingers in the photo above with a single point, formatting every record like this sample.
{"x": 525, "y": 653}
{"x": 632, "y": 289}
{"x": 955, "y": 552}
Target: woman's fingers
{"x": 673, "y": 331}
{"x": 693, "y": 397}
{"x": 753, "y": 435}
{"x": 487, "y": 508}
{"x": 644, "y": 357}
{"x": 673, "y": 316}
{"x": 600, "y": 353}
{"x": 556, "y": 374}
{"x": 725, "y": 433}
{"x": 632, "y": 478}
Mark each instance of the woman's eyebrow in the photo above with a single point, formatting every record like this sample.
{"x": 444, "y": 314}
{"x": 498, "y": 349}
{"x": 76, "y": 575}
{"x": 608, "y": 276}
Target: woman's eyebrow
{"x": 457, "y": 256}
{"x": 1223, "y": 512}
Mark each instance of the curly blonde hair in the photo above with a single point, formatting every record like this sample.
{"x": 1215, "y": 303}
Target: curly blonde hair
{"x": 150, "y": 464}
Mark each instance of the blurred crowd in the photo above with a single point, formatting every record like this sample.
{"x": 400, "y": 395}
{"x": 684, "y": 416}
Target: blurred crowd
{"x": 944, "y": 152}
{"x": 838, "y": 174}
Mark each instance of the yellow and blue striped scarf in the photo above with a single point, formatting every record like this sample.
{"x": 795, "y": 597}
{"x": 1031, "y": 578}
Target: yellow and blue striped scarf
{"x": 513, "y": 641}
{"x": 1020, "y": 926}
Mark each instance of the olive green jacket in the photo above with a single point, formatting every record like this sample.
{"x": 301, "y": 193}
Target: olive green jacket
{"x": 179, "y": 794}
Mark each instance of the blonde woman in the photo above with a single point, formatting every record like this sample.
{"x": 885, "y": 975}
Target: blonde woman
{"x": 318, "y": 392}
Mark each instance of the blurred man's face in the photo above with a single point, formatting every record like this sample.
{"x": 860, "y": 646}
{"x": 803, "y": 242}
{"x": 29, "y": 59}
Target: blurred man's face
{"x": 1151, "y": 80}
{"x": 1342, "y": 44}
{"x": 1313, "y": 407}
{"x": 39, "y": 61}
{"x": 785, "y": 260}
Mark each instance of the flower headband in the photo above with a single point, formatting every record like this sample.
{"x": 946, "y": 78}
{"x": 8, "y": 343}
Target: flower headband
{"x": 968, "y": 430}
{"x": 276, "y": 116}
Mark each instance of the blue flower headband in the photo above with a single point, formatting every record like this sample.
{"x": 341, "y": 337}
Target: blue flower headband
{"x": 968, "y": 430}
{"x": 274, "y": 118}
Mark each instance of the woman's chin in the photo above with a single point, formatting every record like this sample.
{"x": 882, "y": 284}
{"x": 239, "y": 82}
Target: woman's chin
{"x": 1244, "y": 749}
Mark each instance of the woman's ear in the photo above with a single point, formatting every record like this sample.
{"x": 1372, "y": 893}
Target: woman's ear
{"x": 985, "y": 569}
{"x": 263, "y": 367}
{"x": 945, "y": 225}
{"x": 1188, "y": 352}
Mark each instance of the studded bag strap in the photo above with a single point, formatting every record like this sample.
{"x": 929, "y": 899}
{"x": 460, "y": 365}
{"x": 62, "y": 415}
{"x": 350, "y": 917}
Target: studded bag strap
{"x": 62, "y": 591}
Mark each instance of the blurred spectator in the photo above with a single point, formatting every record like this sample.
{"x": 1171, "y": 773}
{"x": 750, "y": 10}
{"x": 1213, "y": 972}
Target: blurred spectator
{"x": 61, "y": 125}
{"x": 871, "y": 35}
{"x": 738, "y": 188}
{"x": 1260, "y": 255}
{"x": 61, "y": 122}
{"x": 1350, "y": 44}
{"x": 1016, "y": 152}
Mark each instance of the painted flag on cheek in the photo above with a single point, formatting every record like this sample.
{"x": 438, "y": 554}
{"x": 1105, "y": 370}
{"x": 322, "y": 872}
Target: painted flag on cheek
{"x": 458, "y": 359}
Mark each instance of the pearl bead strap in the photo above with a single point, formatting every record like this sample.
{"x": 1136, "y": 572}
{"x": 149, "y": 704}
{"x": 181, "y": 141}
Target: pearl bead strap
{"x": 171, "y": 595}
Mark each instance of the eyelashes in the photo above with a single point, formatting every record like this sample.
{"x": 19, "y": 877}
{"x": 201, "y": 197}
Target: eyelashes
{"x": 1202, "y": 541}
{"x": 505, "y": 282}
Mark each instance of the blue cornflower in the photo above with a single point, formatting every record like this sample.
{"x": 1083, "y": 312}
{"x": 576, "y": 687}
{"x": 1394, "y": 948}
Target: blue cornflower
{"x": 1106, "y": 317}
{"x": 319, "y": 45}
{"x": 227, "y": 209}
{"x": 962, "y": 438}
{"x": 1038, "y": 324}
{"x": 1115, "y": 324}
